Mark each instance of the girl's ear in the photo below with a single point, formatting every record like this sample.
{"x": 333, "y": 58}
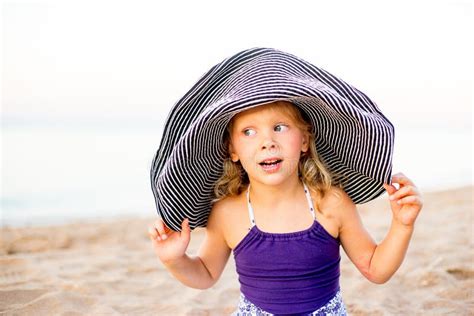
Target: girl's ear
{"x": 305, "y": 143}
{"x": 233, "y": 155}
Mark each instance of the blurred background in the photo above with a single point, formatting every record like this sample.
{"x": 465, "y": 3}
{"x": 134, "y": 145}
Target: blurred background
{"x": 86, "y": 87}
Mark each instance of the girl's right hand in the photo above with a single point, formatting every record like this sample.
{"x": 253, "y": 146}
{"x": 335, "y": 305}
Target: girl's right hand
{"x": 168, "y": 244}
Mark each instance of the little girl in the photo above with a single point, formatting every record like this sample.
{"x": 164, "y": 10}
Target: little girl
{"x": 279, "y": 213}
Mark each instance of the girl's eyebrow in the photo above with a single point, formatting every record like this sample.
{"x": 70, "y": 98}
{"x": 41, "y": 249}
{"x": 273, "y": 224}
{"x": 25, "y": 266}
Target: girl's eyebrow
{"x": 245, "y": 125}
{"x": 240, "y": 128}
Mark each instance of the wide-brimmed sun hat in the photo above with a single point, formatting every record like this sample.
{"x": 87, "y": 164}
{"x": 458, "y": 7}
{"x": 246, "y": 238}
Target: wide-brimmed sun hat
{"x": 353, "y": 138}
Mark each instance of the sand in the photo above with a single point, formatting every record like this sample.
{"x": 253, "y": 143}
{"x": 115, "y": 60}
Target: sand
{"x": 109, "y": 268}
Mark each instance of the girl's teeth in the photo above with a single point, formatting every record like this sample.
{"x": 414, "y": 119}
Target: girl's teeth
{"x": 270, "y": 162}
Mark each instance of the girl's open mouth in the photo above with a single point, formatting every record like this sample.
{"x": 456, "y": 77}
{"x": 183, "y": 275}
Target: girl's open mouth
{"x": 271, "y": 165}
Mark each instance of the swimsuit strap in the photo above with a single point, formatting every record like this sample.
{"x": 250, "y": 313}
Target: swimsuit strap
{"x": 250, "y": 208}
{"x": 310, "y": 201}
{"x": 251, "y": 212}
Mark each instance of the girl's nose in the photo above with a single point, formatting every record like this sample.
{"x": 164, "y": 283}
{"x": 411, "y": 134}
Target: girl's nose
{"x": 269, "y": 144}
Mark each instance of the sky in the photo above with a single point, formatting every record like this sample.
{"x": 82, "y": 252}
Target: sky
{"x": 132, "y": 60}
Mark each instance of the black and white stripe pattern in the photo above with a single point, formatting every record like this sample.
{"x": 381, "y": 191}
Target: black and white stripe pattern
{"x": 353, "y": 137}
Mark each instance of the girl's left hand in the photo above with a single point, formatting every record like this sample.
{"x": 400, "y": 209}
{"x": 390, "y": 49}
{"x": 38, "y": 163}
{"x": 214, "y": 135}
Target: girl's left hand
{"x": 406, "y": 202}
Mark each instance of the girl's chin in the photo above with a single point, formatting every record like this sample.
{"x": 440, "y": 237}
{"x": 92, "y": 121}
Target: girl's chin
{"x": 272, "y": 179}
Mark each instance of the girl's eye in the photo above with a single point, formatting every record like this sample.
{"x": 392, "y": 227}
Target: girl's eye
{"x": 249, "y": 132}
{"x": 280, "y": 128}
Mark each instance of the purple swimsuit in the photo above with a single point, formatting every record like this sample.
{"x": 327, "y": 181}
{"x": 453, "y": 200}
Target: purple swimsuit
{"x": 288, "y": 273}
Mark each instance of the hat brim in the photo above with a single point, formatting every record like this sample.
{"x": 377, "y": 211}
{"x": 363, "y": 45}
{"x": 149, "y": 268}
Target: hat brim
{"x": 353, "y": 138}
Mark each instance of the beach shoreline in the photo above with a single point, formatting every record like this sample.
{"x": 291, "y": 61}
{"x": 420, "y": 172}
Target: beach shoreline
{"x": 108, "y": 267}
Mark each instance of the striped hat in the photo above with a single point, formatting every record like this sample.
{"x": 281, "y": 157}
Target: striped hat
{"x": 353, "y": 138}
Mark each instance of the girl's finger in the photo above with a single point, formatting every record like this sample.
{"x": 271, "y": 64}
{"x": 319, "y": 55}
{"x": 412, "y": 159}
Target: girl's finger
{"x": 152, "y": 233}
{"x": 160, "y": 227}
{"x": 389, "y": 188}
{"x": 185, "y": 230}
{"x": 401, "y": 179}
{"x": 402, "y": 192}
{"x": 412, "y": 199}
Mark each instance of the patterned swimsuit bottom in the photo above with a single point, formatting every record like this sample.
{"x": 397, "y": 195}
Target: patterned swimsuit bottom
{"x": 335, "y": 307}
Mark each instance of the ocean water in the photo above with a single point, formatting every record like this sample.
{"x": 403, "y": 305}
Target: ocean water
{"x": 61, "y": 173}
{"x": 53, "y": 174}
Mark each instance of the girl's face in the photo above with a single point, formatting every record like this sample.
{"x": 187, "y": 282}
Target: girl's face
{"x": 268, "y": 144}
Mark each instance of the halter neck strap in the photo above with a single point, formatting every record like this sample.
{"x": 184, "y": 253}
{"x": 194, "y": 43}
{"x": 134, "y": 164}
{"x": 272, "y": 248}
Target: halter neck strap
{"x": 251, "y": 212}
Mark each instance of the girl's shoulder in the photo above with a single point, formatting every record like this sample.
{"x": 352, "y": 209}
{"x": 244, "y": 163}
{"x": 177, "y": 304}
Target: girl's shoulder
{"x": 229, "y": 209}
{"x": 334, "y": 203}
{"x": 333, "y": 198}
{"x": 227, "y": 204}
{"x": 231, "y": 216}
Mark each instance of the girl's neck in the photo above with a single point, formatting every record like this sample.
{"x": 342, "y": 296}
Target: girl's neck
{"x": 270, "y": 196}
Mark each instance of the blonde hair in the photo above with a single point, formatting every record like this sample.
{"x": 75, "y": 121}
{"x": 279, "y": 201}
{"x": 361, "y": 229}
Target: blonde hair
{"x": 312, "y": 170}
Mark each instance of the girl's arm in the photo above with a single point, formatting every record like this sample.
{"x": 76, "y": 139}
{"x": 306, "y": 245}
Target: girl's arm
{"x": 379, "y": 262}
{"x": 201, "y": 271}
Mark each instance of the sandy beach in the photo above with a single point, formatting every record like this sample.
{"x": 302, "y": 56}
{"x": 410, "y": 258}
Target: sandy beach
{"x": 109, "y": 268}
